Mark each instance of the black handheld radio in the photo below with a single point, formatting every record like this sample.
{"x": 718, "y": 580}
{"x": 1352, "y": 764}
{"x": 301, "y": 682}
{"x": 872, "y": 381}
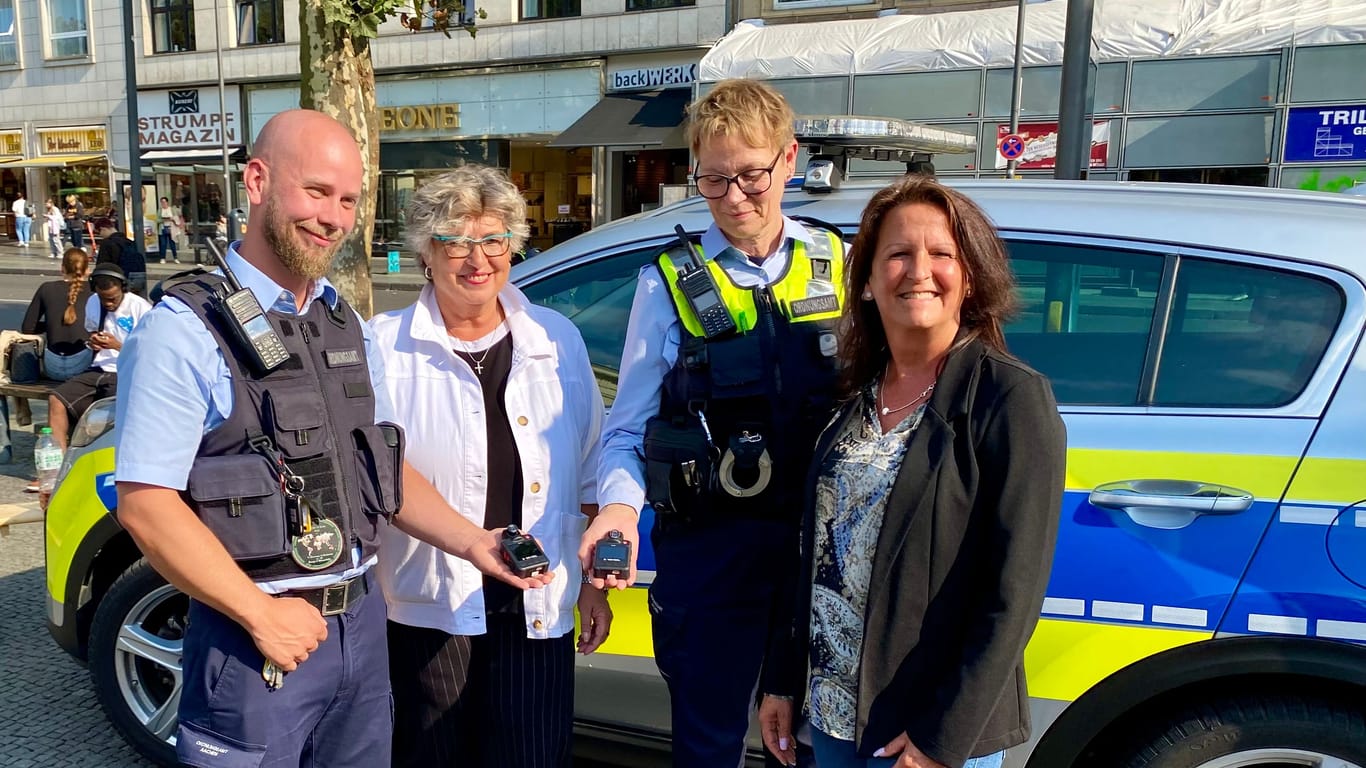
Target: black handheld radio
{"x": 702, "y": 293}
{"x": 243, "y": 314}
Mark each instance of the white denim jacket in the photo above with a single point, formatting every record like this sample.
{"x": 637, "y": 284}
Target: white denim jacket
{"x": 556, "y": 412}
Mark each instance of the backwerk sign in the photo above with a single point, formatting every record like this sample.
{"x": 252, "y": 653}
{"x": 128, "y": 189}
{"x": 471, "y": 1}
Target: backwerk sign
{"x": 1325, "y": 134}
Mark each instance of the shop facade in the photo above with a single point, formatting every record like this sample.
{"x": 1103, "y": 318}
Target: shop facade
{"x": 1237, "y": 105}
{"x": 503, "y": 117}
{"x": 182, "y": 133}
{"x": 52, "y": 163}
{"x": 636, "y": 131}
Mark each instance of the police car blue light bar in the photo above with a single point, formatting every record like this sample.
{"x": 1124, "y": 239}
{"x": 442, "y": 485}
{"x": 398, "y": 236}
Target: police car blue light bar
{"x": 863, "y": 136}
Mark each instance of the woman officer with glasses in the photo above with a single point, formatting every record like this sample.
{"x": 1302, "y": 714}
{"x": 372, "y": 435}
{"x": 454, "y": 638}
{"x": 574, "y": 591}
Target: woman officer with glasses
{"x": 502, "y": 414}
{"x": 713, "y": 428}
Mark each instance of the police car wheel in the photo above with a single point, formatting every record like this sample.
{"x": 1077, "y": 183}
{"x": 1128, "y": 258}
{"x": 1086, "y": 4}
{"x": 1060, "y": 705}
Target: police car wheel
{"x": 135, "y": 645}
{"x": 1272, "y": 731}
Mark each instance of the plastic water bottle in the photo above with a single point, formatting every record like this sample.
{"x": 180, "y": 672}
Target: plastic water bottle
{"x": 47, "y": 460}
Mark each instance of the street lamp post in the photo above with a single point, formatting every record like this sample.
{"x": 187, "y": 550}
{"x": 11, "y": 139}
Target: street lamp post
{"x": 222, "y": 110}
{"x": 130, "y": 86}
{"x": 1017, "y": 83}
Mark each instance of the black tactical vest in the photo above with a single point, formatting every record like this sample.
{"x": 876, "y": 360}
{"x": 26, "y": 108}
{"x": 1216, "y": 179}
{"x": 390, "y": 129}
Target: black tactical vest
{"x": 768, "y": 388}
{"x": 315, "y": 415}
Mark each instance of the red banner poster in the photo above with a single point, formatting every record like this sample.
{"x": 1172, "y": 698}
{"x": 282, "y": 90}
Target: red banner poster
{"x": 1041, "y": 145}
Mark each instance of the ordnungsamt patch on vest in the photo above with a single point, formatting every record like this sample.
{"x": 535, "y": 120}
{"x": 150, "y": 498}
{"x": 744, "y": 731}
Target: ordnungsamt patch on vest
{"x": 340, "y": 358}
{"x": 814, "y": 305}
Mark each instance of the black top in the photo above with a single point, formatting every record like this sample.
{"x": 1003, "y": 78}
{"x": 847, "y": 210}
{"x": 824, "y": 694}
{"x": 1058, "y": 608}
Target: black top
{"x": 960, "y": 566}
{"x": 112, "y": 251}
{"x": 45, "y": 316}
{"x": 503, "y": 466}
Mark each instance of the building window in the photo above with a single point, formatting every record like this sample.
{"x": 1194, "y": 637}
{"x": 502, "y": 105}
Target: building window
{"x": 652, "y": 5}
{"x": 550, "y": 9}
{"x": 1324, "y": 74}
{"x": 919, "y": 95}
{"x": 260, "y": 22}
{"x": 9, "y": 34}
{"x": 172, "y": 26}
{"x": 1204, "y": 84}
{"x": 68, "y": 29}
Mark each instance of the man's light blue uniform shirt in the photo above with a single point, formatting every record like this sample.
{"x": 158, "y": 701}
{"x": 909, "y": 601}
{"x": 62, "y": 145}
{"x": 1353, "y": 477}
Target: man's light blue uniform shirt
{"x": 174, "y": 386}
{"x": 652, "y": 341}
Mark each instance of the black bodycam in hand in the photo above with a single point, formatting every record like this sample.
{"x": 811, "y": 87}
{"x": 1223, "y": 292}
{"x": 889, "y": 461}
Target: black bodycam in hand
{"x": 612, "y": 556}
{"x": 522, "y": 553}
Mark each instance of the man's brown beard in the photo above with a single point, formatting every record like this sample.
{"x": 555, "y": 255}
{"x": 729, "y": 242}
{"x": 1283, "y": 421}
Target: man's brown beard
{"x": 306, "y": 261}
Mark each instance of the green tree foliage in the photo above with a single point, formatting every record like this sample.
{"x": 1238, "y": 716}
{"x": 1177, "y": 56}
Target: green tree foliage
{"x": 337, "y": 78}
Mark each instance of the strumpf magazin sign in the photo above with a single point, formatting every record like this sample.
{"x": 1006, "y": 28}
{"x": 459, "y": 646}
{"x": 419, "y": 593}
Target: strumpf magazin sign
{"x": 189, "y": 118}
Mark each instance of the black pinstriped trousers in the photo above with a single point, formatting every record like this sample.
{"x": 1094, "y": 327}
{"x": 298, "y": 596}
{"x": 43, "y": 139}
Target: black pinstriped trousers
{"x": 497, "y": 700}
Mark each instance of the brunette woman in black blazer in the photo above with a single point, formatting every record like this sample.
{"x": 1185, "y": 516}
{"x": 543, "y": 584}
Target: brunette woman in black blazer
{"x": 932, "y": 508}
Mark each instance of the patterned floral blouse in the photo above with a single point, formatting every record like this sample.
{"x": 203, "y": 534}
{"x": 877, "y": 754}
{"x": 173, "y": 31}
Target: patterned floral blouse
{"x": 855, "y": 481}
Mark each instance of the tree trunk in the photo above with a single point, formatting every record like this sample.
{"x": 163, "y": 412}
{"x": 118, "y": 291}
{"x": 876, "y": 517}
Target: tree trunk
{"x": 338, "y": 79}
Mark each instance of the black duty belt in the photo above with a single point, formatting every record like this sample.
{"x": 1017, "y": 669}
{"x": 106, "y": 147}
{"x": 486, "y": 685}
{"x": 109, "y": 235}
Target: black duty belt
{"x": 334, "y": 598}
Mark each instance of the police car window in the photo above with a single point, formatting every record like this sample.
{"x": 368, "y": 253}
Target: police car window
{"x": 1084, "y": 318}
{"x": 596, "y": 294}
{"x": 1244, "y": 336}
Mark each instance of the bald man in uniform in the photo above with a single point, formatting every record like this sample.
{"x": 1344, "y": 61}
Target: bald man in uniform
{"x": 258, "y": 490}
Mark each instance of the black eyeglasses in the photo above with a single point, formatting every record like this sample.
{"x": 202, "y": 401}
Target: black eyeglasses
{"x": 755, "y": 181}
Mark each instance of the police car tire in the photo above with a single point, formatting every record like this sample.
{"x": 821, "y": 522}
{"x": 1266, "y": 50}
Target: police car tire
{"x": 123, "y": 597}
{"x": 1216, "y": 732}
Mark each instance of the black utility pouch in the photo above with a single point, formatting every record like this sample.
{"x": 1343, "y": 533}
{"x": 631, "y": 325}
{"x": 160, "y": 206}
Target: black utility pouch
{"x": 294, "y": 422}
{"x": 239, "y": 499}
{"x": 678, "y": 468}
{"x": 736, "y": 367}
{"x": 379, "y": 458}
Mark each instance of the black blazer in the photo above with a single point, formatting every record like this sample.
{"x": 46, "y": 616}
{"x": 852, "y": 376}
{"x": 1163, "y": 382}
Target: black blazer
{"x": 962, "y": 563}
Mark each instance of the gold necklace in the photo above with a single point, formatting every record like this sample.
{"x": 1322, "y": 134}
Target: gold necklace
{"x": 882, "y": 395}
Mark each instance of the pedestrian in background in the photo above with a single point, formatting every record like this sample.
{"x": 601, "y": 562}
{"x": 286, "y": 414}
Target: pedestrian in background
{"x": 169, "y": 226}
{"x": 309, "y": 448}
{"x": 56, "y": 225}
{"x": 502, "y": 413}
{"x": 929, "y": 533}
{"x": 116, "y": 248}
{"x": 74, "y": 216}
{"x": 23, "y": 219}
{"x": 57, "y": 311}
{"x": 713, "y": 427}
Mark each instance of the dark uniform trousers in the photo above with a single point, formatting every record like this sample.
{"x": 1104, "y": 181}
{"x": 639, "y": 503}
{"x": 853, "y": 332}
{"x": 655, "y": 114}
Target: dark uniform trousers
{"x": 496, "y": 700}
{"x": 334, "y": 711}
{"x": 710, "y": 607}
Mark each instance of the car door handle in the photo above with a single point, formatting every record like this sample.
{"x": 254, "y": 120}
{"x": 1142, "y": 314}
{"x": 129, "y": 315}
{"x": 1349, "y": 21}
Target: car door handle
{"x": 1170, "y": 504}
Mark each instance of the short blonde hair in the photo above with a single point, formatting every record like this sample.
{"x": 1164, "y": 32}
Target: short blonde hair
{"x": 460, "y": 195}
{"x": 752, "y": 110}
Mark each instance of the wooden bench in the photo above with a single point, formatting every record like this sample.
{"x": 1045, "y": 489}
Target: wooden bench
{"x": 22, "y": 393}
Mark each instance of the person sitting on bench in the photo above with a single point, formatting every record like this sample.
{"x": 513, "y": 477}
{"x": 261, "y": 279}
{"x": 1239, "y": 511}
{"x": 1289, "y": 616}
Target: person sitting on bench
{"x": 110, "y": 315}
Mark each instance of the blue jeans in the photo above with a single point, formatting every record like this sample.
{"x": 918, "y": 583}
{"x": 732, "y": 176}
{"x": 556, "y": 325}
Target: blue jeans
{"x": 62, "y": 367}
{"x": 838, "y": 753}
{"x": 166, "y": 244}
{"x": 23, "y": 226}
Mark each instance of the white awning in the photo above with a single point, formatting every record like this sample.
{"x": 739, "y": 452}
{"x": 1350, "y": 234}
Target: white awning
{"x": 1123, "y": 29}
{"x": 190, "y": 156}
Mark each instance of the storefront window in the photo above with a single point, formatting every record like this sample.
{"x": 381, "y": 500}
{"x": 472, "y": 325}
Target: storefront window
{"x": 815, "y": 95}
{"x": 89, "y": 183}
{"x": 1191, "y": 85}
{"x": 172, "y": 26}
{"x": 68, "y": 29}
{"x": 1326, "y": 178}
{"x": 260, "y": 22}
{"x": 1039, "y": 96}
{"x": 549, "y": 9}
{"x": 9, "y": 48}
{"x": 1198, "y": 140}
{"x": 1329, "y": 73}
{"x": 919, "y": 95}
{"x": 650, "y": 5}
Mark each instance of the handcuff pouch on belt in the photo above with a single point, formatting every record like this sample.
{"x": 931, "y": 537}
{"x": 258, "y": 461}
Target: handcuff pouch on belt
{"x": 746, "y": 467}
